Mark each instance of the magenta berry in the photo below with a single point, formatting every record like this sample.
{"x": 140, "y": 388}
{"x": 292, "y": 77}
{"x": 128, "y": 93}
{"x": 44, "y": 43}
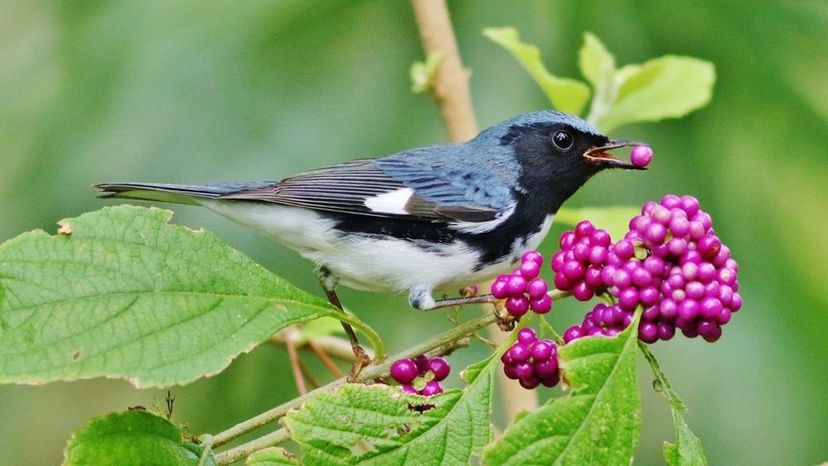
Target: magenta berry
{"x": 537, "y": 288}
{"x": 641, "y": 155}
{"x": 517, "y": 305}
{"x": 439, "y": 367}
{"x": 431, "y": 388}
{"x": 527, "y": 335}
{"x": 404, "y": 371}
{"x": 541, "y": 305}
{"x": 422, "y": 363}
{"x": 531, "y": 361}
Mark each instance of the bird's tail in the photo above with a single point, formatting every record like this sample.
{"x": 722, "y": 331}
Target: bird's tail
{"x": 175, "y": 193}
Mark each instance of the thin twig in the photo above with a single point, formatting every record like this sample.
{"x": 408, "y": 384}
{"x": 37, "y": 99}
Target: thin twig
{"x": 294, "y": 367}
{"x": 326, "y": 360}
{"x": 306, "y": 372}
{"x": 242, "y": 451}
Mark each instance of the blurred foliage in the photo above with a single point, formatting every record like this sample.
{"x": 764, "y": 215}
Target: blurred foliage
{"x": 208, "y": 91}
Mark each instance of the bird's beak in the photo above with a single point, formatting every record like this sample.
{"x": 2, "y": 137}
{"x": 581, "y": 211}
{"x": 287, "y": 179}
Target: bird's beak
{"x": 600, "y": 157}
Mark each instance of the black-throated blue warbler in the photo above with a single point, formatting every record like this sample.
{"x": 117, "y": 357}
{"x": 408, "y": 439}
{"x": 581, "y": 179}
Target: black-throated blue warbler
{"x": 422, "y": 219}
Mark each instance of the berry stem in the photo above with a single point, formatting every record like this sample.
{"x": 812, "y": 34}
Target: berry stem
{"x": 661, "y": 384}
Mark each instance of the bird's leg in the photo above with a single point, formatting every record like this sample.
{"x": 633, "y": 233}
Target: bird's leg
{"x": 362, "y": 359}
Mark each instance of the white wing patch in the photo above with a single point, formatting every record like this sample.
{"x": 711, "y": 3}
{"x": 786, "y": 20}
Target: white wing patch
{"x": 392, "y": 202}
{"x": 483, "y": 227}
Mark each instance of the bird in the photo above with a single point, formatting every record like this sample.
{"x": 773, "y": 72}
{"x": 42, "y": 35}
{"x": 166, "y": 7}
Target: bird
{"x": 420, "y": 220}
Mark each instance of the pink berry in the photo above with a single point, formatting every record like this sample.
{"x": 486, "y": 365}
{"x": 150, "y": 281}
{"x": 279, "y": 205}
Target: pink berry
{"x": 439, "y": 367}
{"x": 499, "y": 288}
{"x": 641, "y": 155}
{"x": 516, "y": 285}
{"x": 532, "y": 256}
{"x": 527, "y": 336}
{"x": 541, "y": 305}
{"x": 529, "y": 269}
{"x": 431, "y": 388}
{"x": 517, "y": 305}
{"x": 537, "y": 288}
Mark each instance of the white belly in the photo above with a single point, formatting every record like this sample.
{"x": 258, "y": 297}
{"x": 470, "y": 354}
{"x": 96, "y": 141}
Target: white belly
{"x": 366, "y": 262}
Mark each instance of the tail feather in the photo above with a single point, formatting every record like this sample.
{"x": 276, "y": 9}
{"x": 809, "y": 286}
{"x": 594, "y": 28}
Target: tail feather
{"x": 175, "y": 193}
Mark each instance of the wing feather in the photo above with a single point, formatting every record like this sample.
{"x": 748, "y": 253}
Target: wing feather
{"x": 350, "y": 188}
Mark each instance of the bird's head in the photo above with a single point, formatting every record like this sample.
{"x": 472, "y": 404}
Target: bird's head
{"x": 557, "y": 152}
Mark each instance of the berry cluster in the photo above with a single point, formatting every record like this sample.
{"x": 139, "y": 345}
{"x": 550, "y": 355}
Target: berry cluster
{"x": 531, "y": 361}
{"x": 523, "y": 289}
{"x": 405, "y": 371}
{"x": 578, "y": 265}
{"x": 672, "y": 264}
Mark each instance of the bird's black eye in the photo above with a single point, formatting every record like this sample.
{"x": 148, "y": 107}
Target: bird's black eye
{"x": 562, "y": 139}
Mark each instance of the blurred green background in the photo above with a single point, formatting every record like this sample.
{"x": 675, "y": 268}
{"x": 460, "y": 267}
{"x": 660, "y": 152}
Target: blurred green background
{"x": 197, "y": 91}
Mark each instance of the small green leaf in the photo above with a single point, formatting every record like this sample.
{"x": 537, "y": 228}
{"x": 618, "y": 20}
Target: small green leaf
{"x": 422, "y": 73}
{"x": 597, "y": 423}
{"x": 566, "y": 95}
{"x": 597, "y": 64}
{"x": 272, "y": 456}
{"x": 131, "y": 438}
{"x": 122, "y": 293}
{"x": 665, "y": 87}
{"x": 614, "y": 219}
{"x": 379, "y": 425}
{"x": 687, "y": 451}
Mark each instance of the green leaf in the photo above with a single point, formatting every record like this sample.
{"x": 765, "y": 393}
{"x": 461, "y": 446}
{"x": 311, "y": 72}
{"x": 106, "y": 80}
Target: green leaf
{"x": 566, "y": 95}
{"x": 665, "y": 87}
{"x": 272, "y": 456}
{"x": 687, "y": 451}
{"x": 378, "y": 425}
{"x": 125, "y": 294}
{"x": 131, "y": 438}
{"x": 596, "y": 423}
{"x": 614, "y": 219}
{"x": 596, "y": 63}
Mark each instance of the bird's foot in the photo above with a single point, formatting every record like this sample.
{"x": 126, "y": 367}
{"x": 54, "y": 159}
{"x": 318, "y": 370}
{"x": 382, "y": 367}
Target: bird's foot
{"x": 505, "y": 321}
{"x": 361, "y": 359}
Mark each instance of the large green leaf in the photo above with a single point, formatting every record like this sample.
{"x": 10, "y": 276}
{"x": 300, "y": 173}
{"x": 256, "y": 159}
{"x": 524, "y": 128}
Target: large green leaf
{"x": 665, "y": 87}
{"x": 133, "y": 438}
{"x": 378, "y": 425}
{"x": 566, "y": 95}
{"x": 122, "y": 293}
{"x": 597, "y": 423}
